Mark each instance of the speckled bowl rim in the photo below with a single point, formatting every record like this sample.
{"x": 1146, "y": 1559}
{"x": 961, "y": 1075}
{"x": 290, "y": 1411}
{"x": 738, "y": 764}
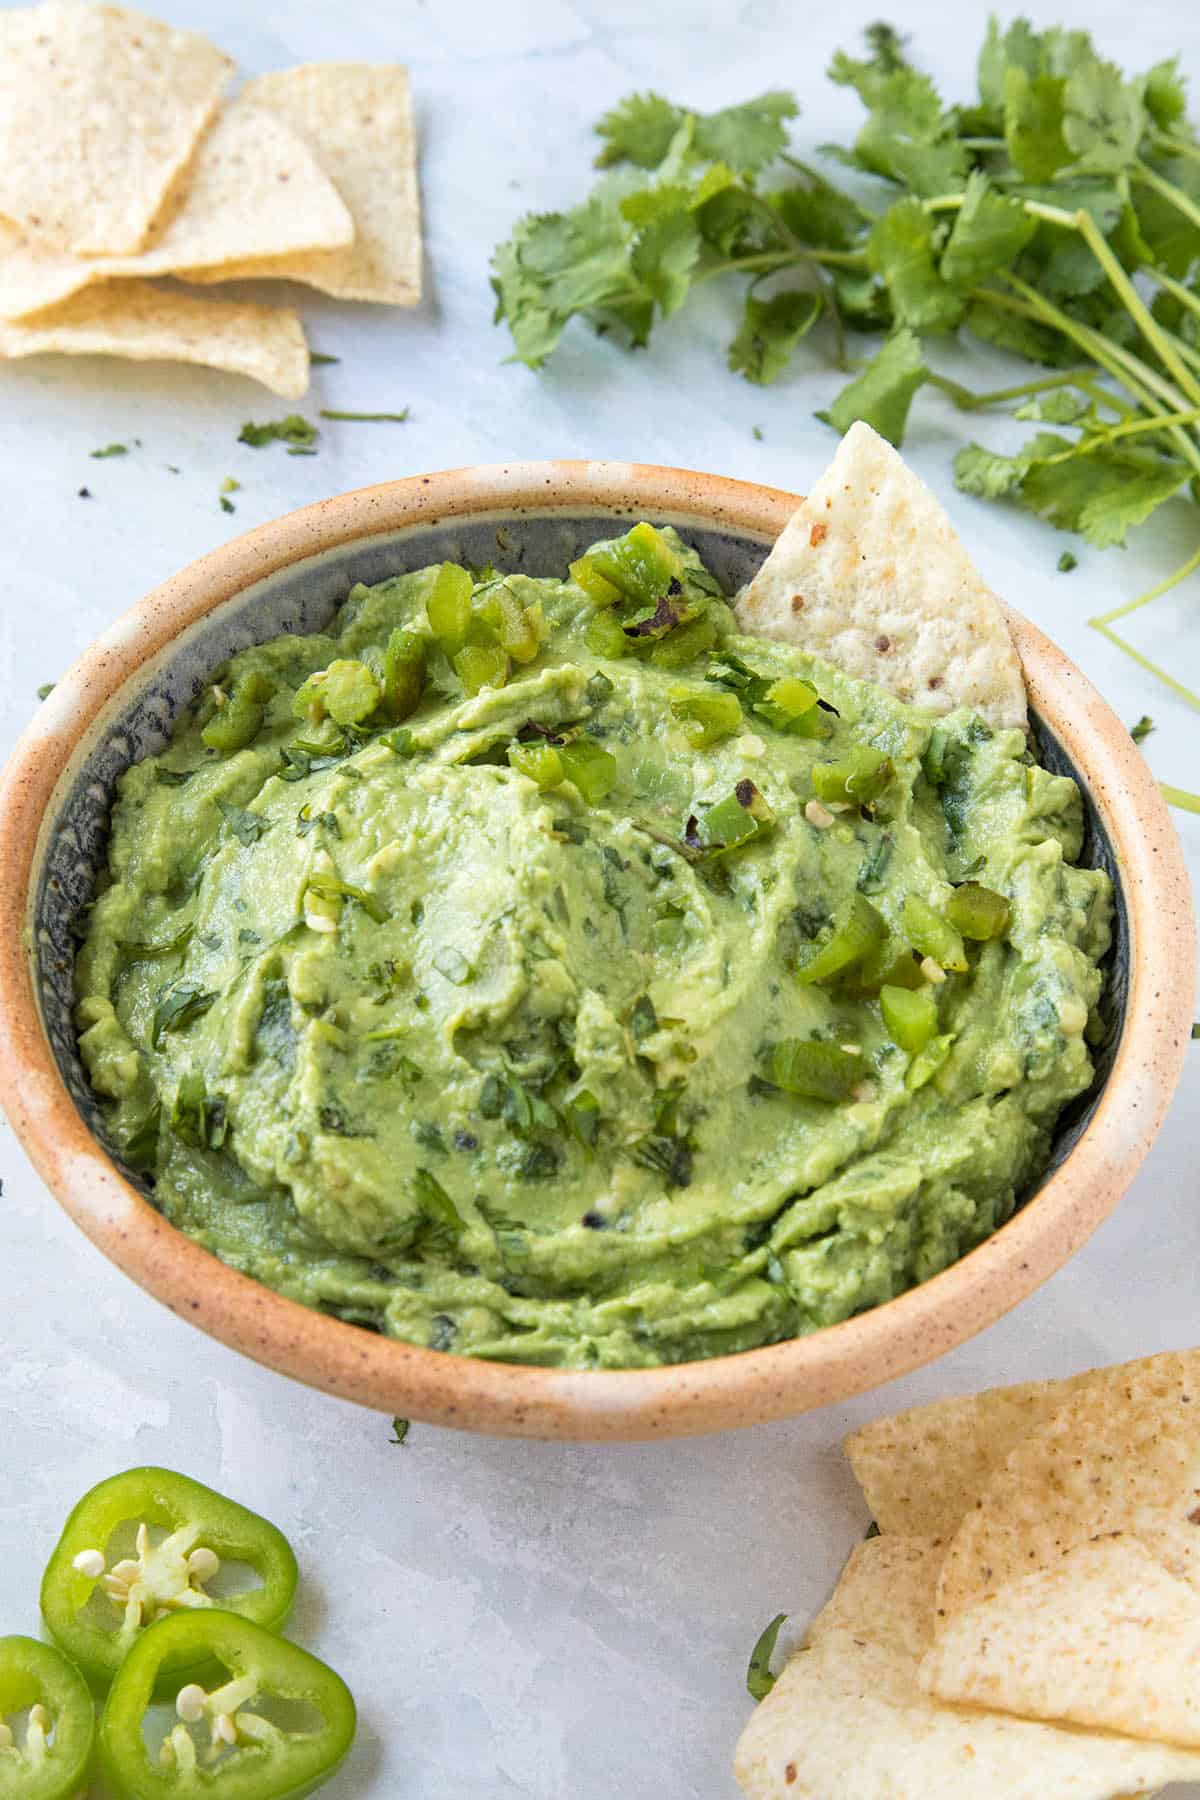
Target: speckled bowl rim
{"x": 516, "y": 1400}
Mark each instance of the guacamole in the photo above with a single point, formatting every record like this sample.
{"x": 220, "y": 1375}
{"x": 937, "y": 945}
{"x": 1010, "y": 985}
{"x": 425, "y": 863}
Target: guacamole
{"x": 540, "y": 970}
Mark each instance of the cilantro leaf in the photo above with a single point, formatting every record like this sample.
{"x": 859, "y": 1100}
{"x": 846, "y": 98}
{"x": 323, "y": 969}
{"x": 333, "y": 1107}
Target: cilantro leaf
{"x": 1104, "y": 119}
{"x": 989, "y": 475}
{"x": 638, "y": 130}
{"x": 1102, "y": 494}
{"x": 1142, "y": 729}
{"x": 663, "y": 258}
{"x": 759, "y": 1679}
{"x": 989, "y": 233}
{"x": 749, "y": 136}
{"x": 1034, "y": 111}
{"x": 291, "y": 430}
{"x": 109, "y": 450}
{"x": 901, "y": 250}
{"x": 1164, "y": 92}
{"x": 400, "y": 1430}
{"x": 179, "y": 1007}
{"x": 883, "y": 392}
{"x": 770, "y": 331}
{"x": 247, "y": 827}
{"x": 1060, "y": 406}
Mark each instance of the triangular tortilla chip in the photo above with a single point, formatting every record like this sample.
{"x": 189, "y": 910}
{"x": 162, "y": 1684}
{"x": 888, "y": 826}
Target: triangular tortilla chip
{"x": 1119, "y": 1455}
{"x": 252, "y": 185}
{"x": 144, "y": 323}
{"x": 847, "y": 1719}
{"x": 357, "y": 118}
{"x": 1104, "y": 1638}
{"x": 100, "y": 108}
{"x": 920, "y": 1470}
{"x": 870, "y": 574}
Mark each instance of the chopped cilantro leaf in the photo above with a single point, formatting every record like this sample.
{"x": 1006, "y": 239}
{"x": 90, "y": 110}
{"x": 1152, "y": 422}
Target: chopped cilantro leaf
{"x": 247, "y": 827}
{"x": 293, "y": 429}
{"x": 109, "y": 450}
{"x": 759, "y": 1679}
{"x": 318, "y": 357}
{"x": 400, "y": 1427}
{"x": 179, "y": 1007}
{"x": 1140, "y": 731}
{"x": 1066, "y": 562}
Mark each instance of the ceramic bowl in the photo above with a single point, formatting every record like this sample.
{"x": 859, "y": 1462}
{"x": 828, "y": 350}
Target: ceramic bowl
{"x": 117, "y": 704}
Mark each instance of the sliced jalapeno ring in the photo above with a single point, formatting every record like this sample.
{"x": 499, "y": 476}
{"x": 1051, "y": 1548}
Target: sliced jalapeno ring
{"x": 229, "y": 1739}
{"x": 47, "y": 1723}
{"x": 98, "y": 1595}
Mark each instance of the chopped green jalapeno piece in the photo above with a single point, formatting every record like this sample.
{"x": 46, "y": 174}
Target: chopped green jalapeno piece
{"x": 346, "y": 692}
{"x": 238, "y": 721}
{"x": 517, "y": 628}
{"x": 592, "y": 768}
{"x": 883, "y": 968}
{"x": 732, "y": 822}
{"x": 707, "y": 717}
{"x": 787, "y": 703}
{"x": 599, "y": 590}
{"x": 933, "y": 935}
{"x": 857, "y": 931}
{"x": 403, "y": 674}
{"x": 642, "y": 565}
{"x": 225, "y": 1743}
{"x": 910, "y": 1015}
{"x": 684, "y": 644}
{"x": 814, "y": 1070}
{"x": 604, "y": 637}
{"x": 150, "y": 1542}
{"x": 481, "y": 665}
{"x": 448, "y": 607}
{"x": 978, "y": 912}
{"x": 45, "y": 1757}
{"x": 933, "y": 762}
{"x": 540, "y": 762}
{"x": 927, "y": 1062}
{"x": 857, "y": 779}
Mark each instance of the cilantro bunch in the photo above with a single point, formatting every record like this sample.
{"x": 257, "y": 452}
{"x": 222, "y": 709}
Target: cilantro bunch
{"x": 1055, "y": 216}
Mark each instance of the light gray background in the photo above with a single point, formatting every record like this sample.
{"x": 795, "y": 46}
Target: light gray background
{"x": 521, "y": 1620}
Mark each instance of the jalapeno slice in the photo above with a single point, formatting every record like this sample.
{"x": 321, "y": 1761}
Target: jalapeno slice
{"x": 47, "y": 1723}
{"x": 99, "y": 1593}
{"x": 231, "y": 1738}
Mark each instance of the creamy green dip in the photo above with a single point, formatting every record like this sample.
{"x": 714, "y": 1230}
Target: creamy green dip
{"x": 595, "y": 1072}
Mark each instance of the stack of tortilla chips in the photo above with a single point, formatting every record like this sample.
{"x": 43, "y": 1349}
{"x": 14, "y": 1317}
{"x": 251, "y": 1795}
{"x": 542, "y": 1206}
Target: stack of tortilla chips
{"x": 120, "y": 162}
{"x": 1028, "y": 1622}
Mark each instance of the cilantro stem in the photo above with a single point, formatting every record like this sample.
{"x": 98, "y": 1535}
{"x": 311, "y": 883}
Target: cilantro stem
{"x": 1174, "y": 196}
{"x": 786, "y": 259}
{"x": 1178, "y": 797}
{"x": 1151, "y": 330}
{"x": 1176, "y": 146}
{"x": 966, "y": 401}
{"x": 1181, "y": 293}
{"x": 1163, "y": 587}
{"x": 1152, "y": 668}
{"x": 1134, "y": 375}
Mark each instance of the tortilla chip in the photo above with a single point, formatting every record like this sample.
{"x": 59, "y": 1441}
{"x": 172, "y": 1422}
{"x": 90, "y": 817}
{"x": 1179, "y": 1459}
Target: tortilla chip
{"x": 922, "y": 1469}
{"x": 100, "y": 108}
{"x": 1119, "y": 1455}
{"x": 144, "y": 323}
{"x": 252, "y": 185}
{"x": 357, "y": 118}
{"x": 870, "y": 574}
{"x": 1105, "y": 1637}
{"x": 847, "y": 1719}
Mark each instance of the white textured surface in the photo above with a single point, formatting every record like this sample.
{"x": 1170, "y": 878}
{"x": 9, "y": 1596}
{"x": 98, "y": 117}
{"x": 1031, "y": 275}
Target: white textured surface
{"x": 518, "y": 1621}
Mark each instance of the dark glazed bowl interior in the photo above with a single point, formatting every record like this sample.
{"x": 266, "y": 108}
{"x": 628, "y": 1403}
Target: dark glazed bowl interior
{"x": 302, "y": 598}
